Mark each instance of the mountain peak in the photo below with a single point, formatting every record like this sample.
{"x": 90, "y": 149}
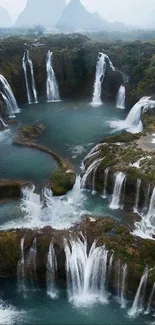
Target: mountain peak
{"x": 5, "y": 19}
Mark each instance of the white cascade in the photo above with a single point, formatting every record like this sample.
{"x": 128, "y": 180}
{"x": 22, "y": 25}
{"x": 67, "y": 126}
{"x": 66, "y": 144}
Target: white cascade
{"x": 145, "y": 228}
{"x": 51, "y": 268}
{"x": 118, "y": 273}
{"x": 31, "y": 204}
{"x": 24, "y": 65}
{"x": 95, "y": 164}
{"x": 120, "y": 101}
{"x": 8, "y": 97}
{"x": 86, "y": 272}
{"x": 137, "y": 306}
{"x": 100, "y": 75}
{"x": 135, "y": 209}
{"x": 110, "y": 263}
{"x": 51, "y": 84}
{"x": 148, "y": 310}
{"x": 116, "y": 197}
{"x": 124, "y": 274}
{"x": 31, "y": 261}
{"x": 27, "y": 62}
{"x": 21, "y": 269}
{"x": 32, "y": 77}
{"x": 133, "y": 123}
{"x": 106, "y": 173}
{"x": 3, "y": 123}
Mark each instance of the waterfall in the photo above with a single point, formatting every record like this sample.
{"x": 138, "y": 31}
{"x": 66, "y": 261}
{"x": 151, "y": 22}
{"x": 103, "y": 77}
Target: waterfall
{"x": 137, "y": 195}
{"x": 106, "y": 172}
{"x": 27, "y": 62}
{"x": 3, "y": 123}
{"x": 8, "y": 97}
{"x": 124, "y": 274}
{"x": 133, "y": 123}
{"x": 118, "y": 272}
{"x": 145, "y": 228}
{"x": 100, "y": 75}
{"x": 51, "y": 268}
{"x": 137, "y": 305}
{"x": 91, "y": 168}
{"x": 94, "y": 178}
{"x": 51, "y": 84}
{"x": 116, "y": 197}
{"x": 146, "y": 199}
{"x": 31, "y": 261}
{"x": 86, "y": 272}
{"x": 110, "y": 263}
{"x": 120, "y": 102}
{"x": 150, "y": 300}
{"x": 21, "y": 269}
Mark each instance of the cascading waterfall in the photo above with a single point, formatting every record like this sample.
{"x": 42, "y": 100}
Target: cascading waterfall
{"x": 118, "y": 273}
{"x": 116, "y": 197}
{"x": 137, "y": 306}
{"x": 150, "y": 300}
{"x": 145, "y": 228}
{"x": 21, "y": 269}
{"x": 8, "y": 97}
{"x": 137, "y": 195}
{"x": 27, "y": 62}
{"x": 146, "y": 199}
{"x": 51, "y": 268}
{"x": 3, "y": 123}
{"x": 95, "y": 164}
{"x": 106, "y": 172}
{"x": 86, "y": 272}
{"x": 124, "y": 274}
{"x": 100, "y": 75}
{"x": 120, "y": 102}
{"x": 31, "y": 261}
{"x": 133, "y": 123}
{"x": 51, "y": 84}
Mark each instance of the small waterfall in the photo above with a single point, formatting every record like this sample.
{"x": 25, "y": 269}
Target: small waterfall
{"x": 91, "y": 168}
{"x": 100, "y": 75}
{"x": 3, "y": 123}
{"x": 21, "y": 269}
{"x": 27, "y": 62}
{"x": 8, "y": 97}
{"x": 124, "y": 274}
{"x": 118, "y": 272}
{"x": 137, "y": 306}
{"x": 51, "y": 84}
{"x": 110, "y": 263}
{"x": 150, "y": 300}
{"x": 137, "y": 195}
{"x": 51, "y": 268}
{"x": 145, "y": 208}
{"x": 86, "y": 272}
{"x": 106, "y": 172}
{"x": 94, "y": 178}
{"x": 116, "y": 197}
{"x": 31, "y": 261}
{"x": 120, "y": 102}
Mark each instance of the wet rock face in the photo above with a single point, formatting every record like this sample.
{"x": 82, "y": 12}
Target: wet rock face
{"x": 11, "y": 189}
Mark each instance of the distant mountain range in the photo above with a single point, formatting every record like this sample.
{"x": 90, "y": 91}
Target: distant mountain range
{"x": 73, "y": 17}
{"x": 5, "y": 19}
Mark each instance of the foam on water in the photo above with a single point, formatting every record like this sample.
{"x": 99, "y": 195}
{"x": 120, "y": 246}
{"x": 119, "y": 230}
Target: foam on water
{"x": 9, "y": 315}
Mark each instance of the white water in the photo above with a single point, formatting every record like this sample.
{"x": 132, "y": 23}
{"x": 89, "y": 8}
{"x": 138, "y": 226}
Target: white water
{"x": 118, "y": 273}
{"x": 124, "y": 274}
{"x": 106, "y": 172}
{"x": 95, "y": 164}
{"x": 116, "y": 197}
{"x": 31, "y": 261}
{"x": 3, "y": 123}
{"x": 120, "y": 102}
{"x": 99, "y": 78}
{"x": 133, "y": 123}
{"x": 26, "y": 61}
{"x": 137, "y": 306}
{"x": 21, "y": 269}
{"x": 145, "y": 228}
{"x": 51, "y": 268}
{"x": 86, "y": 272}
{"x": 137, "y": 195}
{"x": 8, "y": 97}
{"x": 9, "y": 315}
{"x": 150, "y": 300}
{"x": 51, "y": 84}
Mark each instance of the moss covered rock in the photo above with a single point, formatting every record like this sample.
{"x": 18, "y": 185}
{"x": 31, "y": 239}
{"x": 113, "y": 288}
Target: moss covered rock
{"x": 62, "y": 181}
{"x": 30, "y": 132}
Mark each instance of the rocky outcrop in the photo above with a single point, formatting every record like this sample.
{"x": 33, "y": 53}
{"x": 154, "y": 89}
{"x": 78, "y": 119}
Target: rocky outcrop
{"x": 30, "y": 133}
{"x": 11, "y": 189}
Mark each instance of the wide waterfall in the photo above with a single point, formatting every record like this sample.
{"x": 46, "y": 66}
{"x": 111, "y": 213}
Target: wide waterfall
{"x": 8, "y": 97}
{"x": 145, "y": 228}
{"x": 99, "y": 78}
{"x": 51, "y": 268}
{"x": 133, "y": 123}
{"x": 86, "y": 272}
{"x": 116, "y": 197}
{"x": 137, "y": 195}
{"x": 31, "y": 89}
{"x": 21, "y": 269}
{"x": 137, "y": 306}
{"x": 51, "y": 84}
{"x": 95, "y": 164}
{"x": 106, "y": 173}
{"x": 120, "y": 102}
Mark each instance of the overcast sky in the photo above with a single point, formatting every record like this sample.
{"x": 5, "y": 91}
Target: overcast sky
{"x": 126, "y": 11}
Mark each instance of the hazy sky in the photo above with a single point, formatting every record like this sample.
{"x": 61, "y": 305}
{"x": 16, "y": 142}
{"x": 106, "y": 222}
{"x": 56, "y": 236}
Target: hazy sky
{"x": 127, "y": 11}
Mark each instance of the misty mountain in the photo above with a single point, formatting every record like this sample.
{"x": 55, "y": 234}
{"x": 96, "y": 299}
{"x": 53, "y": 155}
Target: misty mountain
{"x": 41, "y": 12}
{"x": 76, "y": 17}
{"x": 5, "y": 19}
